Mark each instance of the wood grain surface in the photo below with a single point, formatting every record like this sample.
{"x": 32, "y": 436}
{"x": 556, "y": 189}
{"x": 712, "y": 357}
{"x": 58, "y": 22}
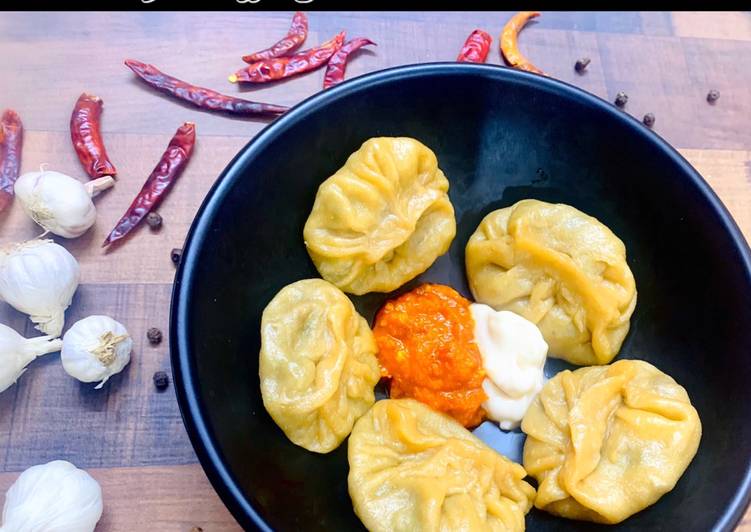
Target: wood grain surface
{"x": 129, "y": 436}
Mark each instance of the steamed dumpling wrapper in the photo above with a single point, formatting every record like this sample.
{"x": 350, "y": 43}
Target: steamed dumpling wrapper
{"x": 317, "y": 364}
{"x": 562, "y": 270}
{"x": 382, "y": 219}
{"x": 414, "y": 469}
{"x": 605, "y": 442}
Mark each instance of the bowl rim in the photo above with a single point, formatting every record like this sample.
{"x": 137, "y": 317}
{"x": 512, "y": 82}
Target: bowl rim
{"x": 183, "y": 369}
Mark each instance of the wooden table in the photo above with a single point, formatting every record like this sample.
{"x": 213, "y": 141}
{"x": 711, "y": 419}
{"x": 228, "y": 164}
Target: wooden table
{"x": 130, "y": 437}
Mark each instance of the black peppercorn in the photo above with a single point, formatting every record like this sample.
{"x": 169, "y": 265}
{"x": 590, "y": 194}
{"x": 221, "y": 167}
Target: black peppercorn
{"x": 649, "y": 120}
{"x": 196, "y": 529}
{"x": 620, "y": 99}
{"x": 154, "y": 335}
{"x": 713, "y": 96}
{"x": 176, "y": 254}
{"x": 581, "y": 64}
{"x": 154, "y": 219}
{"x": 161, "y": 380}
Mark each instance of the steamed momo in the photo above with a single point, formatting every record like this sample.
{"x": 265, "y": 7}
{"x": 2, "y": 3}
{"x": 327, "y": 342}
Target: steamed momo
{"x": 559, "y": 268}
{"x": 317, "y": 364}
{"x": 381, "y": 219}
{"x": 413, "y": 469}
{"x": 605, "y": 442}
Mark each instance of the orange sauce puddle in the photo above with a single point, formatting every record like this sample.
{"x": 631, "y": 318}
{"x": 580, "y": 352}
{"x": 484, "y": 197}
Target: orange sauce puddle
{"x": 427, "y": 349}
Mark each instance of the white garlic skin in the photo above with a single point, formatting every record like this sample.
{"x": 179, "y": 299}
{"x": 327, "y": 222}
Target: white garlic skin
{"x": 83, "y": 337}
{"x": 53, "y": 497}
{"x": 16, "y": 352}
{"x": 39, "y": 278}
{"x": 57, "y": 202}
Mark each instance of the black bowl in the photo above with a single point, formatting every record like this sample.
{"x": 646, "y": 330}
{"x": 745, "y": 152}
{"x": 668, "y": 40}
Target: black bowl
{"x": 500, "y": 136}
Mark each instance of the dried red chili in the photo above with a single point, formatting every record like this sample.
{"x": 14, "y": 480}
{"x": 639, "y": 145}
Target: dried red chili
{"x": 160, "y": 181}
{"x": 11, "y": 137}
{"x": 296, "y": 35}
{"x": 476, "y": 47}
{"x": 510, "y": 46}
{"x": 337, "y": 65}
{"x": 87, "y": 137}
{"x": 200, "y": 97}
{"x": 285, "y": 67}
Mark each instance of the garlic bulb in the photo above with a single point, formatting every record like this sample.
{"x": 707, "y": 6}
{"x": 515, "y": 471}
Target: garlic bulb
{"x": 95, "y": 348}
{"x": 16, "y": 352}
{"x": 56, "y": 496}
{"x": 57, "y": 202}
{"x": 39, "y": 278}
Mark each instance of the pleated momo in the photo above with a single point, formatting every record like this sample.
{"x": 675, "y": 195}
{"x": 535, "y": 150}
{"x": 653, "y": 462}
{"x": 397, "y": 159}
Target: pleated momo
{"x": 562, "y": 270}
{"x": 414, "y": 469}
{"x": 605, "y": 442}
{"x": 317, "y": 364}
{"x": 381, "y": 219}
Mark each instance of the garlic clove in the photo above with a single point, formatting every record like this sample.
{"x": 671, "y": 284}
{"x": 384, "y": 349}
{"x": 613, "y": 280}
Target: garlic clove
{"x": 56, "y": 496}
{"x": 59, "y": 203}
{"x": 100, "y": 184}
{"x": 95, "y": 348}
{"x": 39, "y": 278}
{"x": 16, "y": 352}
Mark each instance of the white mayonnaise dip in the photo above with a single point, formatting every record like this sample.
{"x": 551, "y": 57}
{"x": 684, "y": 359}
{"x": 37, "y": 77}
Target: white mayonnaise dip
{"x": 513, "y": 353}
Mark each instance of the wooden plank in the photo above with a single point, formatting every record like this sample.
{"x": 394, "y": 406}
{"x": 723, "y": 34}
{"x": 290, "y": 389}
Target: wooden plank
{"x": 203, "y": 49}
{"x": 745, "y": 523}
{"x": 126, "y": 423}
{"x": 170, "y": 499}
{"x": 163, "y": 498}
{"x": 643, "y": 59}
{"x": 556, "y": 53}
{"x": 670, "y": 77}
{"x": 665, "y": 62}
{"x": 713, "y": 24}
{"x": 729, "y": 174}
{"x": 145, "y": 258}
